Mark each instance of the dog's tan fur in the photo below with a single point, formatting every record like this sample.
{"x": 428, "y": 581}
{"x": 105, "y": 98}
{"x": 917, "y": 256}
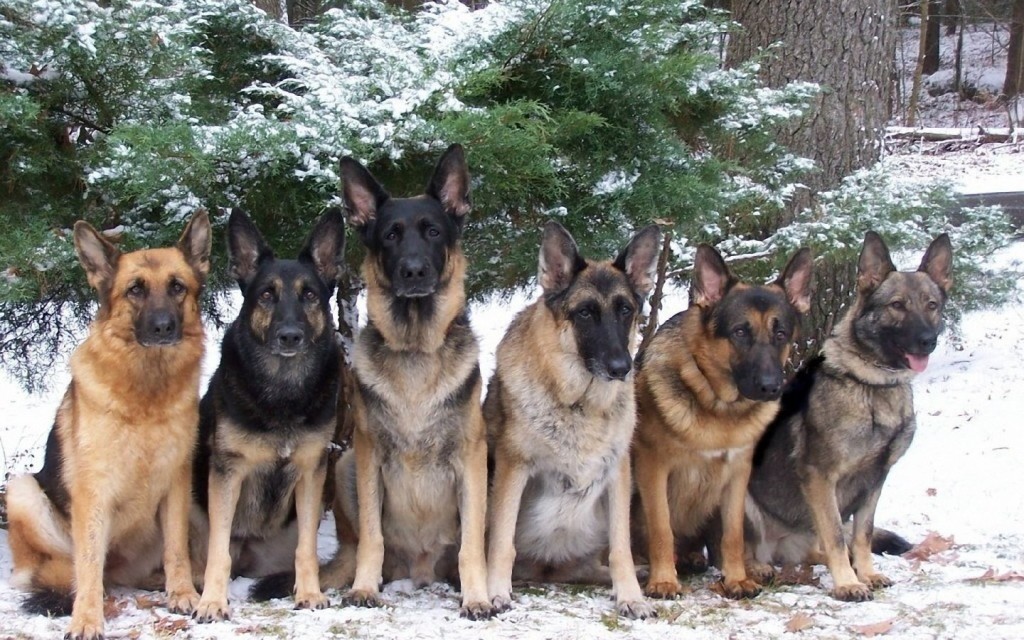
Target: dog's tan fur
{"x": 560, "y": 434}
{"x": 127, "y": 428}
{"x": 696, "y": 432}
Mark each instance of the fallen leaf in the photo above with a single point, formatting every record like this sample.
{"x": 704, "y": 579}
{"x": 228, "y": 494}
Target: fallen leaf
{"x": 932, "y": 492}
{"x": 992, "y": 576}
{"x": 874, "y": 629}
{"x": 147, "y": 602}
{"x": 797, "y": 575}
{"x": 112, "y": 607}
{"x": 171, "y": 625}
{"x": 799, "y": 622}
{"x": 932, "y": 544}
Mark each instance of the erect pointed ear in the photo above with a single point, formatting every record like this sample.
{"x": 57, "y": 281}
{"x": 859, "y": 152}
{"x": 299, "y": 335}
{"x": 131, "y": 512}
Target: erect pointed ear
{"x": 874, "y": 264}
{"x": 639, "y": 260}
{"x": 362, "y": 194}
{"x": 97, "y": 255}
{"x": 559, "y": 260}
{"x": 246, "y": 248}
{"x": 711, "y": 277}
{"x": 325, "y": 247}
{"x": 450, "y": 183}
{"x": 938, "y": 262}
{"x": 796, "y": 280}
{"x": 196, "y": 242}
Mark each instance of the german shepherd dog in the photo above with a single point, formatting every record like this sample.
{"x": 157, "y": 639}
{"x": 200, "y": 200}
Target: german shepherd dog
{"x": 110, "y": 504}
{"x": 417, "y": 471}
{"x": 708, "y": 385}
{"x": 560, "y": 414}
{"x": 847, "y": 417}
{"x": 268, "y": 416}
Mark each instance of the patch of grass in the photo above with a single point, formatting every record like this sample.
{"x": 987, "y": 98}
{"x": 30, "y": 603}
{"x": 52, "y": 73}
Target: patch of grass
{"x": 611, "y": 621}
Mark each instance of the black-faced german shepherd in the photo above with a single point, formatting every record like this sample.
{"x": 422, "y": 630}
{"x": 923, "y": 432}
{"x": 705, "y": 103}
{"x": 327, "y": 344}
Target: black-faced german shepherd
{"x": 268, "y": 416}
{"x": 111, "y": 502}
{"x": 846, "y": 418}
{"x": 708, "y": 385}
{"x": 560, "y": 416}
{"x": 418, "y": 468}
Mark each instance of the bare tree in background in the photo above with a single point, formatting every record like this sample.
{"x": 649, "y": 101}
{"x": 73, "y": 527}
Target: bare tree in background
{"x": 1013, "y": 85}
{"x": 933, "y": 37}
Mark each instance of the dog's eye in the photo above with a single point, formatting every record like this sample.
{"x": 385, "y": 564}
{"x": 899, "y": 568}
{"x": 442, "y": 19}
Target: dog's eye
{"x": 309, "y": 295}
{"x": 433, "y": 232}
{"x": 740, "y": 332}
{"x": 176, "y": 288}
{"x": 136, "y": 290}
{"x": 780, "y": 336}
{"x": 625, "y": 310}
{"x": 584, "y": 314}
{"x": 267, "y": 295}
{"x": 932, "y": 305}
{"x": 898, "y": 305}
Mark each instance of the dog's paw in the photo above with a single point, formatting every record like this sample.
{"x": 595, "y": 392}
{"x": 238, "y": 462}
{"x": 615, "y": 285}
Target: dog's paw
{"x": 311, "y": 600}
{"x": 761, "y": 572}
{"x": 85, "y": 628}
{"x": 875, "y": 580}
{"x": 212, "y": 610}
{"x": 501, "y": 603}
{"x": 664, "y": 590}
{"x": 636, "y": 609}
{"x": 184, "y": 602}
{"x": 477, "y": 610}
{"x": 739, "y": 589}
{"x": 855, "y": 592}
{"x": 362, "y": 598}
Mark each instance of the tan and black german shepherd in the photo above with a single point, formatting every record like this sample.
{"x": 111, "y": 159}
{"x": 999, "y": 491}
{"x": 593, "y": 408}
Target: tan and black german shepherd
{"x": 417, "y": 472}
{"x": 560, "y": 414}
{"x": 708, "y": 386}
{"x": 110, "y": 505}
{"x": 847, "y": 417}
{"x": 267, "y": 418}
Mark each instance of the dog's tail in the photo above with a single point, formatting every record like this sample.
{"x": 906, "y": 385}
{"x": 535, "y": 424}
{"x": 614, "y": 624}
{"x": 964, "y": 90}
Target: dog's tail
{"x": 885, "y": 541}
{"x": 276, "y": 585}
{"x": 49, "y": 602}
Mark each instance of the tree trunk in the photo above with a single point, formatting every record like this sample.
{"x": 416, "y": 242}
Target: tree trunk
{"x": 848, "y": 48}
{"x": 933, "y": 36}
{"x": 951, "y": 19}
{"x": 915, "y": 87}
{"x": 1014, "y": 83}
{"x": 276, "y": 9}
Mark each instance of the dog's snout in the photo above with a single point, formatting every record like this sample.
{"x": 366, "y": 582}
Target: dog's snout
{"x": 413, "y": 268}
{"x": 927, "y": 340}
{"x": 290, "y": 337}
{"x": 160, "y": 327}
{"x": 162, "y": 323}
{"x": 771, "y": 386}
{"x": 619, "y": 367}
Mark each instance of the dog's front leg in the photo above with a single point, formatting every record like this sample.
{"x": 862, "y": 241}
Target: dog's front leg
{"x": 509, "y": 482}
{"x": 863, "y": 530}
{"x": 90, "y": 532}
{"x": 820, "y": 493}
{"x": 735, "y": 582}
{"x": 365, "y": 591}
{"x": 652, "y": 484}
{"x": 309, "y": 491}
{"x": 174, "y": 515}
{"x": 629, "y": 599}
{"x": 225, "y": 487}
{"x": 473, "y": 517}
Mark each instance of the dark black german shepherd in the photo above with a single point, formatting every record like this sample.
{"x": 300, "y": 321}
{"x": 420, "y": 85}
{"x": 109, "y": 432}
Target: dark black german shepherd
{"x": 268, "y": 416}
{"x": 415, "y": 481}
{"x": 846, "y": 418}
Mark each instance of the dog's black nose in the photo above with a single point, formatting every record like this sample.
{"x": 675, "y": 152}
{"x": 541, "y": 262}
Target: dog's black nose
{"x": 770, "y": 386}
{"x": 413, "y": 268}
{"x": 927, "y": 340}
{"x": 162, "y": 324}
{"x": 618, "y": 368}
{"x": 289, "y": 337}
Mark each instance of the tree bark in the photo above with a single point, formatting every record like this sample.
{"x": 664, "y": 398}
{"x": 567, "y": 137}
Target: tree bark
{"x": 848, "y": 48}
{"x": 1013, "y": 85}
{"x": 915, "y": 87}
{"x": 933, "y": 37}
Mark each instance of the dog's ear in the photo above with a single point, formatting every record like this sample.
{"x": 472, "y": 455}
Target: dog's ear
{"x": 362, "y": 194}
{"x": 711, "y": 277}
{"x": 639, "y": 260}
{"x": 938, "y": 262}
{"x": 559, "y": 260}
{"x": 196, "y": 243}
{"x": 450, "y": 183}
{"x": 796, "y": 280}
{"x": 874, "y": 263}
{"x": 325, "y": 247}
{"x": 246, "y": 248}
{"x": 98, "y": 257}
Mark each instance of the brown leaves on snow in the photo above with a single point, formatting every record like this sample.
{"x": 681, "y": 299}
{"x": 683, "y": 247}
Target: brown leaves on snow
{"x": 799, "y": 622}
{"x": 992, "y": 576}
{"x": 873, "y": 629}
{"x": 932, "y": 545}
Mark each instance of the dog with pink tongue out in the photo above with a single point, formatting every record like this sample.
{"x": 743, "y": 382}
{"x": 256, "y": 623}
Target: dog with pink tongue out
{"x": 845, "y": 419}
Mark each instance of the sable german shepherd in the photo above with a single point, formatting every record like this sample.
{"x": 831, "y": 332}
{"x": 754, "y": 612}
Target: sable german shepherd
{"x": 418, "y": 468}
{"x": 110, "y": 504}
{"x": 268, "y": 416}
{"x": 560, "y": 414}
{"x": 708, "y": 386}
{"x": 846, "y": 418}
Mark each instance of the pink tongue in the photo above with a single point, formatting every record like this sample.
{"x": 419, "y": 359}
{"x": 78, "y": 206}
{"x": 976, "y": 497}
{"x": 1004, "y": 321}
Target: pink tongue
{"x": 917, "y": 363}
